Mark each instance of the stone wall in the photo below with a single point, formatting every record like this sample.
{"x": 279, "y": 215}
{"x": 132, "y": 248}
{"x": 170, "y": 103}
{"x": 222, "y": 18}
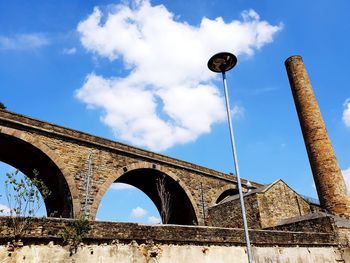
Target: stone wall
{"x": 344, "y": 237}
{"x": 279, "y": 202}
{"x": 309, "y": 223}
{"x": 49, "y": 230}
{"x": 229, "y": 214}
{"x": 265, "y": 207}
{"x": 129, "y": 242}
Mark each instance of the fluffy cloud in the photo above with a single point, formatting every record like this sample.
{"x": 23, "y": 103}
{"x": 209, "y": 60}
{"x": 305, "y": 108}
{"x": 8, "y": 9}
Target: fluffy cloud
{"x": 121, "y": 186}
{"x": 237, "y": 112}
{"x": 154, "y": 220}
{"x": 167, "y": 96}
{"x": 346, "y": 174}
{"x": 4, "y": 210}
{"x": 138, "y": 212}
{"x": 23, "y": 41}
{"x": 69, "y": 51}
{"x": 346, "y": 113}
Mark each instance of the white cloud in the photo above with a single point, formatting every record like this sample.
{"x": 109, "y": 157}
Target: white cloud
{"x": 69, "y": 51}
{"x": 346, "y": 175}
{"x": 121, "y": 186}
{"x": 4, "y": 210}
{"x": 168, "y": 96}
{"x": 138, "y": 212}
{"x": 154, "y": 220}
{"x": 237, "y": 112}
{"x": 23, "y": 41}
{"x": 346, "y": 113}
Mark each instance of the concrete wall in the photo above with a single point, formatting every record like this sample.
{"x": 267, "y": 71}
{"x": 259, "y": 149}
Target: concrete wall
{"x": 146, "y": 253}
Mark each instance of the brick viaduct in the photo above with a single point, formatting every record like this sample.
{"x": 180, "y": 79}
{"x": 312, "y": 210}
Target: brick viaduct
{"x": 78, "y": 168}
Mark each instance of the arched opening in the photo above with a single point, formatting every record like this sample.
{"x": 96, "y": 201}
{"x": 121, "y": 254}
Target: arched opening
{"x": 126, "y": 203}
{"x": 25, "y": 157}
{"x": 226, "y": 194}
{"x": 180, "y": 210}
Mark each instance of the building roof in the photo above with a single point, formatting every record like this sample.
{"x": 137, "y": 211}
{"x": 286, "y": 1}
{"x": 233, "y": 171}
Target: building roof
{"x": 254, "y": 191}
{"x": 262, "y": 189}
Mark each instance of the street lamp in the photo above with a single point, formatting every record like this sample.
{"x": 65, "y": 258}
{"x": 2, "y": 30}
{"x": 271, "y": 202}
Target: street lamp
{"x": 223, "y": 62}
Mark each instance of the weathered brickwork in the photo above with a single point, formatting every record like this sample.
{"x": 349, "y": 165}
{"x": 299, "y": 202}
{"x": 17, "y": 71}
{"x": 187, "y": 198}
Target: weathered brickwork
{"x": 130, "y": 242}
{"x": 265, "y": 207}
{"x": 101, "y": 232}
{"x": 317, "y": 222}
{"x": 68, "y": 150}
{"x": 229, "y": 214}
{"x": 344, "y": 236}
{"x": 329, "y": 182}
{"x": 278, "y": 202}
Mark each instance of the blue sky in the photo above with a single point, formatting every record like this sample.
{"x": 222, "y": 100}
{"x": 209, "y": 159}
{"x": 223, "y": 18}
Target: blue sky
{"x": 144, "y": 81}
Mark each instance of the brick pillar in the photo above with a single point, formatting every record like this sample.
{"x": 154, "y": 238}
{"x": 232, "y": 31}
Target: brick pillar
{"x": 329, "y": 181}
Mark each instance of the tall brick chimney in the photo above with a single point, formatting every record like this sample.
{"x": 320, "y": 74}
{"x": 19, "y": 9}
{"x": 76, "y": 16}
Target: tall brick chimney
{"x": 329, "y": 181}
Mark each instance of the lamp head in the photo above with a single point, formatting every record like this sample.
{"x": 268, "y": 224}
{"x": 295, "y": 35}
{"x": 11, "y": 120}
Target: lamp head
{"x": 222, "y": 62}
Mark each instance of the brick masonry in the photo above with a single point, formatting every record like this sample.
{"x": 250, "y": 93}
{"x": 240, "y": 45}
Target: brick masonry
{"x": 279, "y": 202}
{"x": 265, "y": 207}
{"x": 42, "y": 229}
{"x": 312, "y": 223}
{"x": 329, "y": 182}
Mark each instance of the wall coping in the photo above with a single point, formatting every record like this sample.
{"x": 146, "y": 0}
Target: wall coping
{"x": 45, "y": 229}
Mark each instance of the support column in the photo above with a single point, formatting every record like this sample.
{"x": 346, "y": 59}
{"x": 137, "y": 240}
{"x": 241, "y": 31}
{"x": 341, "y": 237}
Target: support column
{"x": 329, "y": 181}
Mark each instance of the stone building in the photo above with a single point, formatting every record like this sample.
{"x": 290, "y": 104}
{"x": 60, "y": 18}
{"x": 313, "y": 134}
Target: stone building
{"x": 265, "y": 206}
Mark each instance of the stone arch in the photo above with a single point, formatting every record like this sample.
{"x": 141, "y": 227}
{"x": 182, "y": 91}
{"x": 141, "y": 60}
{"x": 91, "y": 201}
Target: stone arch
{"x": 25, "y": 152}
{"x": 124, "y": 175}
{"x": 223, "y": 192}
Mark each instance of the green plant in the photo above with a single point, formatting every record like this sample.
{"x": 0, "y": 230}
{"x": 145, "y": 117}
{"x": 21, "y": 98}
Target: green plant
{"x": 74, "y": 233}
{"x": 23, "y": 199}
{"x": 2, "y": 106}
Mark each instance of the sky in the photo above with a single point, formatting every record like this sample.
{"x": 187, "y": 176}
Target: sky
{"x": 135, "y": 72}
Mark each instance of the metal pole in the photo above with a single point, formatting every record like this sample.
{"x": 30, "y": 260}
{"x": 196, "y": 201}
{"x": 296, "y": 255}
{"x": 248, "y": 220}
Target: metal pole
{"x": 233, "y": 146}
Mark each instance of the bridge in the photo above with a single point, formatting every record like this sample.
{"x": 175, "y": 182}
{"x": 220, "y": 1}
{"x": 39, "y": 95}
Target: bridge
{"x": 78, "y": 168}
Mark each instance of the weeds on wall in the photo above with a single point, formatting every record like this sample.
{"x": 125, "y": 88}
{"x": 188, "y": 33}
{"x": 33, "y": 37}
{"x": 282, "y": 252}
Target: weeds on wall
{"x": 74, "y": 233}
{"x": 2, "y": 106}
{"x": 23, "y": 200}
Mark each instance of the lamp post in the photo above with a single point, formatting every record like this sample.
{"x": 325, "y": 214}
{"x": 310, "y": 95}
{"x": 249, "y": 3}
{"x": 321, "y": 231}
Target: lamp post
{"x": 223, "y": 62}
